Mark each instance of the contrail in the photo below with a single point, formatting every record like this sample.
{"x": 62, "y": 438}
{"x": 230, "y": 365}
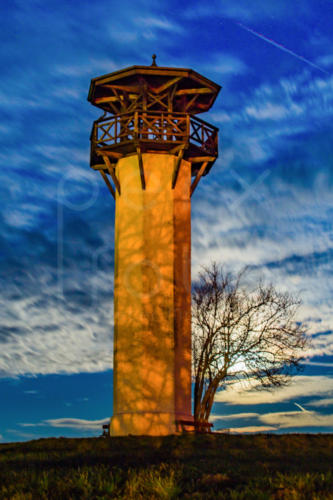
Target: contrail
{"x": 281, "y": 47}
{"x": 312, "y": 413}
{"x": 303, "y": 409}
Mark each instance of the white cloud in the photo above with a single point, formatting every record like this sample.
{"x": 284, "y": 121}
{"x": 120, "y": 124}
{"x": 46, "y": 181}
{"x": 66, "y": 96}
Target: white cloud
{"x": 322, "y": 345}
{"x": 25, "y": 215}
{"x": 268, "y": 111}
{"x": 19, "y": 219}
{"x": 160, "y": 23}
{"x": 233, "y": 416}
{"x": 221, "y": 117}
{"x": 225, "y": 64}
{"x": 285, "y": 420}
{"x": 302, "y": 386}
{"x": 13, "y": 101}
{"x": 252, "y": 429}
{"x": 77, "y": 423}
{"x": 275, "y": 420}
{"x": 318, "y": 363}
{"x": 71, "y": 423}
{"x": 73, "y": 345}
{"x": 321, "y": 402}
{"x": 71, "y": 350}
{"x": 87, "y": 67}
{"x": 143, "y": 29}
{"x": 326, "y": 60}
{"x": 271, "y": 111}
{"x": 231, "y": 224}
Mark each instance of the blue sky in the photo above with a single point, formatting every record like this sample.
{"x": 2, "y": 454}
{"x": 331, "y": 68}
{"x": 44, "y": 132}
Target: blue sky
{"x": 267, "y": 202}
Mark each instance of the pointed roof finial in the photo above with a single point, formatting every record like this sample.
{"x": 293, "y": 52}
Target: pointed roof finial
{"x": 154, "y": 60}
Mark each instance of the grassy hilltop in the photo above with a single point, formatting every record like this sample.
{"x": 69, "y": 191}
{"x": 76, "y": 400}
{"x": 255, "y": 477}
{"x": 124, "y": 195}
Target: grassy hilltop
{"x": 293, "y": 466}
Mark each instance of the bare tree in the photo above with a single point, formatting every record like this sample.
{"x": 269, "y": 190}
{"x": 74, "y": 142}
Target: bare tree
{"x": 241, "y": 334}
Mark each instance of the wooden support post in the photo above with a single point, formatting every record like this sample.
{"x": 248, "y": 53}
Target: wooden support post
{"x": 198, "y": 176}
{"x": 142, "y": 173}
{"x": 112, "y": 172}
{"x": 107, "y": 182}
{"x": 177, "y": 167}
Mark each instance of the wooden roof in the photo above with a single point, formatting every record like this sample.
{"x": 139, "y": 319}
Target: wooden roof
{"x": 153, "y": 88}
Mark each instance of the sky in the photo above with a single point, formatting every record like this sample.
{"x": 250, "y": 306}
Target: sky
{"x": 267, "y": 202}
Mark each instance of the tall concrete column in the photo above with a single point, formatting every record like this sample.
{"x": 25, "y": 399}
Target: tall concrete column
{"x": 152, "y": 336}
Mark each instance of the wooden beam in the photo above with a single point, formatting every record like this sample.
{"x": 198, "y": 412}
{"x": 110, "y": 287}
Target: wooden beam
{"x": 100, "y": 100}
{"x": 142, "y": 173}
{"x": 111, "y": 170}
{"x": 121, "y": 100}
{"x": 99, "y": 166}
{"x": 128, "y": 88}
{"x": 113, "y": 154}
{"x": 203, "y": 90}
{"x": 198, "y": 176}
{"x": 166, "y": 85}
{"x": 189, "y": 103}
{"x": 173, "y": 91}
{"x": 113, "y": 108}
{"x": 156, "y": 99}
{"x": 134, "y": 105}
{"x": 107, "y": 182}
{"x": 199, "y": 159}
{"x": 118, "y": 87}
{"x": 177, "y": 167}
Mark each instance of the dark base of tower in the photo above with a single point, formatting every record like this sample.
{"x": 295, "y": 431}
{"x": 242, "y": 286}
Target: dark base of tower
{"x": 137, "y": 425}
{"x": 150, "y": 423}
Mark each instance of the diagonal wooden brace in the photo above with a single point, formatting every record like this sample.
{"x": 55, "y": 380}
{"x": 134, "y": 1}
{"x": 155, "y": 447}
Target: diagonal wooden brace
{"x": 198, "y": 176}
{"x": 111, "y": 171}
{"x": 142, "y": 173}
{"x": 177, "y": 167}
{"x": 107, "y": 182}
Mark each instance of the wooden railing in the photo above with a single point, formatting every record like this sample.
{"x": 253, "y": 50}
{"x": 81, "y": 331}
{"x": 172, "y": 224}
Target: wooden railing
{"x": 203, "y": 135}
{"x": 154, "y": 127}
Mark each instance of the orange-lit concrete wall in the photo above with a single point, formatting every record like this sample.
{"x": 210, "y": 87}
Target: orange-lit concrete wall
{"x": 152, "y": 339}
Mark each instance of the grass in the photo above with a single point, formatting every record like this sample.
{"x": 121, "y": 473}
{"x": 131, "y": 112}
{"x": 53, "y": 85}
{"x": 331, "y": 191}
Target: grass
{"x": 210, "y": 466}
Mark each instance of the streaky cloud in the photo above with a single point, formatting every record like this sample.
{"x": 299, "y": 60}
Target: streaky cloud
{"x": 73, "y": 423}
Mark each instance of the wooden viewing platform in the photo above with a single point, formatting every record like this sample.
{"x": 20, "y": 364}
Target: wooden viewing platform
{"x": 118, "y": 135}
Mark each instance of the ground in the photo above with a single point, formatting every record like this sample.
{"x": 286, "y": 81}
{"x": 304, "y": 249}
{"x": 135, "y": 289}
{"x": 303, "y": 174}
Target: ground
{"x": 211, "y": 466}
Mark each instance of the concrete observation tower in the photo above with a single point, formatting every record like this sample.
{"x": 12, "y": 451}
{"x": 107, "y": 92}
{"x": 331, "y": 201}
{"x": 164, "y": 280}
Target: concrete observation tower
{"x": 151, "y": 150}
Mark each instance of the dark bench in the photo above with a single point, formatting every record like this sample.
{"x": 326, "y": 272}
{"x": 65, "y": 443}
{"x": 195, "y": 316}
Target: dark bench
{"x": 194, "y": 426}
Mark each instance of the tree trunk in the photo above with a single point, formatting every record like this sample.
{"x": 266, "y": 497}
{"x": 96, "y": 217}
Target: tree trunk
{"x": 203, "y": 406}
